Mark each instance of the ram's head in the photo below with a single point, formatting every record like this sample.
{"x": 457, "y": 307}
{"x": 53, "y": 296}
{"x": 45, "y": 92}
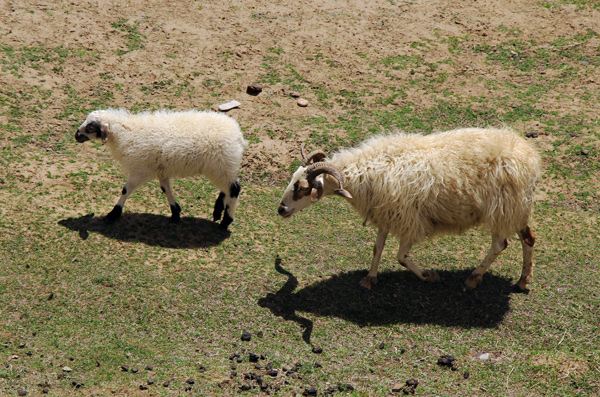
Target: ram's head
{"x": 308, "y": 184}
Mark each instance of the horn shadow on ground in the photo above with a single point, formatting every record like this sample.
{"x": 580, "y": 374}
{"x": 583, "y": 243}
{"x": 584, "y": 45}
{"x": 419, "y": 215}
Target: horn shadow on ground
{"x": 151, "y": 229}
{"x": 399, "y": 297}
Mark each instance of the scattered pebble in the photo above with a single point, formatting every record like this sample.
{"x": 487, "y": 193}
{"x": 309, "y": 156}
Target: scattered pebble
{"x": 246, "y": 336}
{"x": 310, "y": 391}
{"x": 254, "y": 89}
{"x": 66, "y": 369}
{"x": 227, "y": 106}
{"x": 584, "y": 152}
{"x": 531, "y": 134}
{"x": 484, "y": 356}
{"x": 21, "y": 391}
{"x": 302, "y": 102}
{"x": 190, "y": 381}
{"x": 124, "y": 368}
{"x": 446, "y": 360}
{"x": 295, "y": 94}
{"x": 317, "y": 349}
{"x": 134, "y": 370}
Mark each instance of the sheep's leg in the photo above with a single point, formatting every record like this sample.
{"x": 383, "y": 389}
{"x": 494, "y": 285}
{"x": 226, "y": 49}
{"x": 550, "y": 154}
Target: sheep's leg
{"x": 371, "y": 278}
{"x": 425, "y": 275}
{"x": 231, "y": 202}
{"x": 165, "y": 186}
{"x": 219, "y": 207}
{"x": 117, "y": 211}
{"x": 499, "y": 244}
{"x": 527, "y": 242}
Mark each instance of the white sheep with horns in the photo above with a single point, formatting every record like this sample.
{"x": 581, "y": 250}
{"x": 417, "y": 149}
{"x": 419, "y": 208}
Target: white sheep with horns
{"x": 169, "y": 144}
{"x": 414, "y": 186}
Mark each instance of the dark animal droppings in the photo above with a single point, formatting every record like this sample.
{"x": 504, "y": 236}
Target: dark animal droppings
{"x": 310, "y": 391}
{"x": 446, "y": 360}
{"x": 246, "y": 336}
{"x": 253, "y": 358}
{"x": 317, "y": 350}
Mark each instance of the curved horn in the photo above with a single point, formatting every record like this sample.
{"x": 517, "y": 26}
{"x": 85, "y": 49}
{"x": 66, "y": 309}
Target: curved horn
{"x": 313, "y": 157}
{"x": 319, "y": 168}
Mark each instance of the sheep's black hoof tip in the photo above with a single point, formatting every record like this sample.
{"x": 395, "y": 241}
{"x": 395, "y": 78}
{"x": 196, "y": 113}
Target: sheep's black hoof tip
{"x": 175, "y": 213}
{"x": 517, "y": 289}
{"x": 226, "y": 221}
{"x": 114, "y": 215}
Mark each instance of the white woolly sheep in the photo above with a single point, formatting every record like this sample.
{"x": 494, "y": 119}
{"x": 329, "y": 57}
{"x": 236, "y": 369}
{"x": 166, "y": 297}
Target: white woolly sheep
{"x": 168, "y": 144}
{"x": 415, "y": 186}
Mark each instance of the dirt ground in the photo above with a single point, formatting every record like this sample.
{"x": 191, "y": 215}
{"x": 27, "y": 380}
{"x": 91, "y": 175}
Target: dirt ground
{"x": 208, "y": 52}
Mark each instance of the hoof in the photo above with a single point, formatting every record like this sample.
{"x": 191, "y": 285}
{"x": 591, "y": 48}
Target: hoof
{"x": 520, "y": 288}
{"x": 473, "y": 280}
{"x": 431, "y": 276}
{"x": 114, "y": 215}
{"x": 368, "y": 282}
{"x": 175, "y": 218}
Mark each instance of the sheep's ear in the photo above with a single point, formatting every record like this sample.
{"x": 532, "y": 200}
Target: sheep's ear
{"x": 104, "y": 131}
{"x": 315, "y": 194}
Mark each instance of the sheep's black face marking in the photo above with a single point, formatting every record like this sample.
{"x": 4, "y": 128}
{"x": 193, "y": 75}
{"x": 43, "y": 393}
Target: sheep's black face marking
{"x": 93, "y": 128}
{"x": 234, "y": 189}
{"x": 81, "y": 137}
{"x": 300, "y": 190}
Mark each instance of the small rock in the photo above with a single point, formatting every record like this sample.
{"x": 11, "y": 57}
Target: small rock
{"x": 227, "y": 106}
{"x": 253, "y": 358}
{"x": 190, "y": 381}
{"x": 66, "y": 369}
{"x": 254, "y": 89}
{"x": 295, "y": 94}
{"x": 150, "y": 381}
{"x": 484, "y": 356}
{"x": 446, "y": 360}
{"x": 272, "y": 372}
{"x": 124, "y": 368}
{"x": 149, "y": 368}
{"x": 246, "y": 336}
{"x": 21, "y": 391}
{"x": 143, "y": 387}
{"x": 345, "y": 387}
{"x": 317, "y": 350}
{"x": 22, "y": 345}
{"x": 532, "y": 134}
{"x": 584, "y": 152}
{"x": 310, "y": 391}
{"x": 134, "y": 370}
{"x": 302, "y": 102}
{"x": 14, "y": 357}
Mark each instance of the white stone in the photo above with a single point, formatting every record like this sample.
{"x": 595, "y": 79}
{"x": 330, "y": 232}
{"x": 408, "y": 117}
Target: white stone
{"x": 229, "y": 105}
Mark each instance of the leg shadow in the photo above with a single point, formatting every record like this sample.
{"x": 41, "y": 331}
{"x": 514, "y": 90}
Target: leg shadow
{"x": 151, "y": 229}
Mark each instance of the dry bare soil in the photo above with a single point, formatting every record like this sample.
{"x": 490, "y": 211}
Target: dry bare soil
{"x": 171, "y": 301}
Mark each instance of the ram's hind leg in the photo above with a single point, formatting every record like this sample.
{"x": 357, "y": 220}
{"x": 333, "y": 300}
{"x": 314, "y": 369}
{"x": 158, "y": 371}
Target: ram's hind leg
{"x": 425, "y": 275}
{"x": 231, "y": 202}
{"x": 499, "y": 244}
{"x": 128, "y": 189}
{"x": 165, "y": 186}
{"x": 527, "y": 242}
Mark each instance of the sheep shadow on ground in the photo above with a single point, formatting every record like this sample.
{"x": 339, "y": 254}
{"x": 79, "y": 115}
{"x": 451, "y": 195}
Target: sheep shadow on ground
{"x": 151, "y": 229}
{"x": 399, "y": 297}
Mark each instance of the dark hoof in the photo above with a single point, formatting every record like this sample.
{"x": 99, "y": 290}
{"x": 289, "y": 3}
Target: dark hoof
{"x": 517, "y": 289}
{"x": 114, "y": 215}
{"x": 175, "y": 213}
